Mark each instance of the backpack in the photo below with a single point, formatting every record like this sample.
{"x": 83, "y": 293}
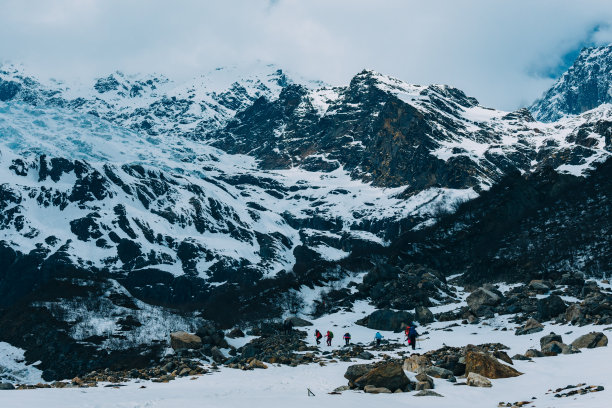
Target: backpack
{"x": 330, "y": 335}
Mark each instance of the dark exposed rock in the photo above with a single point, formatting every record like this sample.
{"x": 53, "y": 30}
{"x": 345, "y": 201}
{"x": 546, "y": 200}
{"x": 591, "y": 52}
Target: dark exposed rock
{"x": 550, "y": 307}
{"x": 387, "y": 320}
{"x": 389, "y": 375}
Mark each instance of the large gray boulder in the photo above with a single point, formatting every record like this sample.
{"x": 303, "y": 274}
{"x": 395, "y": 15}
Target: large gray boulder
{"x": 388, "y": 375}
{"x": 482, "y": 299}
{"x": 423, "y": 315}
{"x": 387, "y": 320}
{"x": 591, "y": 340}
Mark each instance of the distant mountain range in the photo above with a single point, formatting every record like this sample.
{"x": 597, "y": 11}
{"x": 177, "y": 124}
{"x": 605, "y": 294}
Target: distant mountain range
{"x": 212, "y": 199}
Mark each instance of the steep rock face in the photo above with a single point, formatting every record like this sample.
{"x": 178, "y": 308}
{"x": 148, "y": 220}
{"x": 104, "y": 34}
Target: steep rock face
{"x": 586, "y": 85}
{"x": 525, "y": 227}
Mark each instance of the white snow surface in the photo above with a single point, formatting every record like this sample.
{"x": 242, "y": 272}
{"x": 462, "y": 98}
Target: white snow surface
{"x": 281, "y": 386}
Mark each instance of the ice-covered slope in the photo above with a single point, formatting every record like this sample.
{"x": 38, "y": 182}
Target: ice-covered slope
{"x": 586, "y": 85}
{"x": 153, "y": 104}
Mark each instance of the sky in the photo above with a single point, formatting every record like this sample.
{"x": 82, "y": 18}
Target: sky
{"x": 504, "y": 53}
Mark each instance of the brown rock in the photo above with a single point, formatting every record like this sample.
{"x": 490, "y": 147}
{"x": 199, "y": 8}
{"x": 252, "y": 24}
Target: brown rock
{"x": 591, "y": 340}
{"x": 416, "y": 363}
{"x": 183, "y": 340}
{"x": 487, "y": 366}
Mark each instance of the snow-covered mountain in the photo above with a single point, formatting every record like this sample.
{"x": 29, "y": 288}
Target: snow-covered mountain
{"x": 586, "y": 85}
{"x": 134, "y": 205}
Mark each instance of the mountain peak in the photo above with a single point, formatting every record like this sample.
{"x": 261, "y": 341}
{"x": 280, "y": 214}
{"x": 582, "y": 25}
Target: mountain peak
{"x": 584, "y": 86}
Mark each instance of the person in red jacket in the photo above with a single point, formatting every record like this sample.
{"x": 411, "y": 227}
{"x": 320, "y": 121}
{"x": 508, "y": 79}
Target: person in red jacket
{"x": 318, "y": 336}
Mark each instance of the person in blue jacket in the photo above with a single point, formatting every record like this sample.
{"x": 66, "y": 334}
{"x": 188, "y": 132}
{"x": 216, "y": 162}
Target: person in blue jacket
{"x": 378, "y": 337}
{"x": 412, "y": 335}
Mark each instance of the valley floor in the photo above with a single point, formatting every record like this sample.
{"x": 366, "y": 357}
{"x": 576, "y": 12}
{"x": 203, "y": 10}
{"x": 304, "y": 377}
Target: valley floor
{"x": 287, "y": 386}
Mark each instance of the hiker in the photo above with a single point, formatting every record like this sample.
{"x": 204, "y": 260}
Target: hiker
{"x": 329, "y": 336}
{"x": 347, "y": 338}
{"x": 318, "y": 336}
{"x": 378, "y": 337}
{"x": 412, "y": 335}
{"x": 287, "y": 326}
{"x": 407, "y": 334}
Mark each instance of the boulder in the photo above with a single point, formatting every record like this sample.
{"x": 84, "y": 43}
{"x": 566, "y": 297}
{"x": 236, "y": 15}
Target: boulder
{"x": 235, "y": 333}
{"x": 217, "y": 355}
{"x": 427, "y": 393}
{"x": 423, "y": 315}
{"x": 298, "y": 322}
{"x": 550, "y": 307}
{"x": 533, "y": 353}
{"x": 503, "y": 356}
{"x": 556, "y": 347}
{"x": 520, "y": 357}
{"x": 416, "y": 363}
{"x": 490, "y": 367}
{"x": 482, "y": 297}
{"x": 424, "y": 382}
{"x": 477, "y": 380}
{"x": 531, "y": 326}
{"x": 574, "y": 313}
{"x": 540, "y": 286}
{"x": 550, "y": 338}
{"x": 355, "y": 371}
{"x": 183, "y": 340}
{"x": 389, "y": 375}
{"x": 591, "y": 340}
{"x": 257, "y": 364}
{"x": 365, "y": 355}
{"x": 370, "y": 389}
{"x": 387, "y": 320}
{"x": 6, "y": 386}
{"x": 439, "y": 372}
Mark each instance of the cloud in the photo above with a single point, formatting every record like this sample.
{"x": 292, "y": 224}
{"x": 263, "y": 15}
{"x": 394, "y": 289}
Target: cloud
{"x": 503, "y": 53}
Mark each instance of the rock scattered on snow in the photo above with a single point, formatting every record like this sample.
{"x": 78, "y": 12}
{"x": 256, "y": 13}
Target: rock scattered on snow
{"x": 488, "y": 366}
{"x": 591, "y": 340}
{"x": 530, "y": 327}
{"x": 477, "y": 380}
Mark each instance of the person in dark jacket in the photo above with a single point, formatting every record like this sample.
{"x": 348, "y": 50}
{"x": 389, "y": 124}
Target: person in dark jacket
{"x": 412, "y": 335}
{"x": 347, "y": 338}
